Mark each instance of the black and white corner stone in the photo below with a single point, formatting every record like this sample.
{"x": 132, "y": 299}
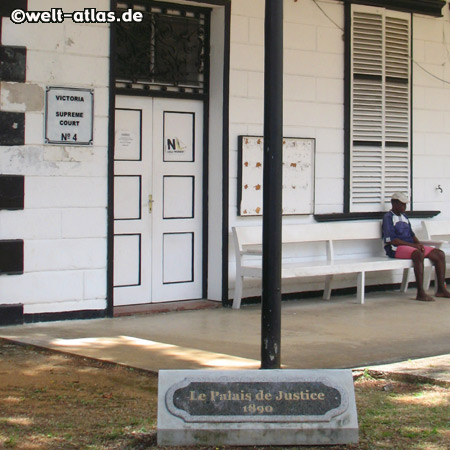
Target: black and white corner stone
{"x": 13, "y": 61}
{"x": 12, "y": 128}
{"x": 12, "y": 191}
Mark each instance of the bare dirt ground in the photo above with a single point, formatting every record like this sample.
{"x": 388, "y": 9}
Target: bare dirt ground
{"x": 55, "y": 401}
{"x": 52, "y": 400}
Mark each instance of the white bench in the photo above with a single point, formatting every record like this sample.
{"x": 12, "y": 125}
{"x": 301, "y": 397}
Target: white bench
{"x": 325, "y": 262}
{"x": 438, "y": 232}
{"x": 435, "y": 230}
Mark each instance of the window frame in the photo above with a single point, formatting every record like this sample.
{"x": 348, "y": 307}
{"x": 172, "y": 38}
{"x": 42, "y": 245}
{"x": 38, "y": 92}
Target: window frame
{"x": 426, "y": 7}
{"x": 152, "y": 84}
{"x": 350, "y": 207}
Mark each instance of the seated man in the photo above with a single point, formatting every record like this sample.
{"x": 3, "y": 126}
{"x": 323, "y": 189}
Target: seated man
{"x": 401, "y": 242}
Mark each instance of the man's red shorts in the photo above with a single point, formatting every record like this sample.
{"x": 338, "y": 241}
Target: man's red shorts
{"x": 405, "y": 251}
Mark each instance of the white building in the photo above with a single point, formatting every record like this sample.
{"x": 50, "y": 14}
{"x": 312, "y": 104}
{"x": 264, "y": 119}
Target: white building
{"x": 137, "y": 208}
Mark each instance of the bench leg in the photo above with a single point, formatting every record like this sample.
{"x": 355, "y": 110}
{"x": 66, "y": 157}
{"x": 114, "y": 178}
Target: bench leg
{"x": 327, "y": 290}
{"x": 405, "y": 280}
{"x": 427, "y": 278}
{"x": 238, "y": 292}
{"x": 360, "y": 287}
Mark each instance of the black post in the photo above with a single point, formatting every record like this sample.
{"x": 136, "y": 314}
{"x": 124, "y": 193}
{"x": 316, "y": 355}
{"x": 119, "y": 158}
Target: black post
{"x": 272, "y": 184}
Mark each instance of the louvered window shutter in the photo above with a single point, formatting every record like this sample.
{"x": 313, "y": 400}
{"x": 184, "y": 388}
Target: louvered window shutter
{"x": 380, "y": 107}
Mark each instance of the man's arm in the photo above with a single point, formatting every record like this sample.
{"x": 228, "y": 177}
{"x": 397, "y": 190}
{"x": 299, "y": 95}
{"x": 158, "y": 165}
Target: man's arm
{"x": 390, "y": 236}
{"x": 415, "y": 244}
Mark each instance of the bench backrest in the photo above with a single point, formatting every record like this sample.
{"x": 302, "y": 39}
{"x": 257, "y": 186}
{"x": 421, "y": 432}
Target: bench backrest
{"x": 316, "y": 232}
{"x": 436, "y": 228}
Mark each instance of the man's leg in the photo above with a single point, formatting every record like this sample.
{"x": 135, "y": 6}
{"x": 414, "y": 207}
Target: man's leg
{"x": 407, "y": 252}
{"x": 417, "y": 258}
{"x": 437, "y": 257}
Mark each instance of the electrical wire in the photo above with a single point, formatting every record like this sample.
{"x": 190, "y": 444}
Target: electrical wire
{"x": 327, "y": 16}
{"x": 444, "y": 42}
{"x": 430, "y": 73}
{"x": 415, "y": 62}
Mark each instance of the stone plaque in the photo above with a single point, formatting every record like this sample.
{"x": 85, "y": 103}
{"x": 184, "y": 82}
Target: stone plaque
{"x": 231, "y": 401}
{"x": 69, "y": 116}
{"x": 292, "y": 407}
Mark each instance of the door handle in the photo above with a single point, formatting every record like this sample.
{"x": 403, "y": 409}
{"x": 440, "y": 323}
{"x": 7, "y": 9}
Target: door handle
{"x": 150, "y": 203}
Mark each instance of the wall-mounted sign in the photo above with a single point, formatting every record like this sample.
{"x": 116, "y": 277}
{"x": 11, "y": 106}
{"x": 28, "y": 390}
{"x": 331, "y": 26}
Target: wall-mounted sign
{"x": 179, "y": 136}
{"x": 298, "y": 175}
{"x": 69, "y": 116}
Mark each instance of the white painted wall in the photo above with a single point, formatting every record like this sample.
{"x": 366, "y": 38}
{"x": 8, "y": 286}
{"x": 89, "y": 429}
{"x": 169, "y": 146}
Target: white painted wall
{"x": 314, "y": 107}
{"x": 313, "y": 89}
{"x": 313, "y": 101}
{"x": 431, "y": 112}
{"x": 64, "y": 222}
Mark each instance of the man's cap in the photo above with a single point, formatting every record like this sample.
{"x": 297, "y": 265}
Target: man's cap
{"x": 400, "y": 196}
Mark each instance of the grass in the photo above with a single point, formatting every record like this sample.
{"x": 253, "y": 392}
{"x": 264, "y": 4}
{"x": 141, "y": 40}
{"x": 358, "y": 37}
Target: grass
{"x": 54, "y": 401}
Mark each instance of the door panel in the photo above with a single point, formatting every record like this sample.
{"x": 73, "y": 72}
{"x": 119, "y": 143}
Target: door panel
{"x": 128, "y": 249}
{"x": 132, "y": 185}
{"x": 178, "y": 258}
{"x": 157, "y": 200}
{"x": 177, "y": 218}
{"x": 127, "y": 202}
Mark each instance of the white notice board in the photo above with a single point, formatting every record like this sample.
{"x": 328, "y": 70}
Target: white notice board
{"x": 298, "y": 176}
{"x": 69, "y": 116}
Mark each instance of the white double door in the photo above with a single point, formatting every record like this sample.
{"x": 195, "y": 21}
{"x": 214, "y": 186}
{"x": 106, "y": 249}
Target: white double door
{"x": 157, "y": 200}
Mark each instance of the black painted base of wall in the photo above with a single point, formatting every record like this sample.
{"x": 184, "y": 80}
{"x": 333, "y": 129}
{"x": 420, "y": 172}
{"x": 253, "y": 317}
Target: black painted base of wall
{"x": 13, "y": 315}
{"x": 69, "y": 315}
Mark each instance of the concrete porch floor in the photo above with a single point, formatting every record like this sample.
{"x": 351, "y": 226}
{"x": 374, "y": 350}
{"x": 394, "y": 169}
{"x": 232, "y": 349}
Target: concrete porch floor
{"x": 340, "y": 333}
